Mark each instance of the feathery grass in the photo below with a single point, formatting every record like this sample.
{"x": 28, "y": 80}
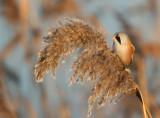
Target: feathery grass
{"x": 96, "y": 62}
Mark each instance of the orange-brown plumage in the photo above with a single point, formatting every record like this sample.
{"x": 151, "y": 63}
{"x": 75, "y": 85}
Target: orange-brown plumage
{"x": 123, "y": 47}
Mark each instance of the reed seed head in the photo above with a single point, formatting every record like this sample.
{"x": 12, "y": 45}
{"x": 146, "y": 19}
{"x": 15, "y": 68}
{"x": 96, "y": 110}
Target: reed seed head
{"x": 96, "y": 61}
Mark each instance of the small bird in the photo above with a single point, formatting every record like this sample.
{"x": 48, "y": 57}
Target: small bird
{"x": 123, "y": 47}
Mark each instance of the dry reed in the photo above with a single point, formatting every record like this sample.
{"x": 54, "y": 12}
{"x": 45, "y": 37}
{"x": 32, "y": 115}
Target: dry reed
{"x": 143, "y": 49}
{"x": 6, "y": 107}
{"x": 96, "y": 62}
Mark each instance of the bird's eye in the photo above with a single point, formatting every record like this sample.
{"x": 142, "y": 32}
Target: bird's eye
{"x": 118, "y": 39}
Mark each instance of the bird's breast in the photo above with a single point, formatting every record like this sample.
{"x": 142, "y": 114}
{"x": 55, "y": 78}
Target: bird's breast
{"x": 125, "y": 53}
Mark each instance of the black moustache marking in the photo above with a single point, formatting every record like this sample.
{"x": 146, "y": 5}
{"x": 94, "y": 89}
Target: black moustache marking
{"x": 118, "y": 39}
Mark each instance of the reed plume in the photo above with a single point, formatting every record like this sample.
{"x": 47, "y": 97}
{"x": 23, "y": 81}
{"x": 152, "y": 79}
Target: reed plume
{"x": 96, "y": 62}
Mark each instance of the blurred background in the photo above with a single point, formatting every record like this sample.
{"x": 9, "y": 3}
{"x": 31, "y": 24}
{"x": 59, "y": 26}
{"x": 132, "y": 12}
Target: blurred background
{"x": 24, "y": 23}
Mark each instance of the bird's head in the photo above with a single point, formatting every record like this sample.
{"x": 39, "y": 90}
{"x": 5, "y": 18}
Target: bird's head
{"x": 121, "y": 38}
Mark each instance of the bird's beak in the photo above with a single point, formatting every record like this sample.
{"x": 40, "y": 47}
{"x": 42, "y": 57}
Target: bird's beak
{"x": 113, "y": 37}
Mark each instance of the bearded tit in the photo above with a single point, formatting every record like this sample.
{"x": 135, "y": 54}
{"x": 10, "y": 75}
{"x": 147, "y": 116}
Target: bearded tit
{"x": 123, "y": 47}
